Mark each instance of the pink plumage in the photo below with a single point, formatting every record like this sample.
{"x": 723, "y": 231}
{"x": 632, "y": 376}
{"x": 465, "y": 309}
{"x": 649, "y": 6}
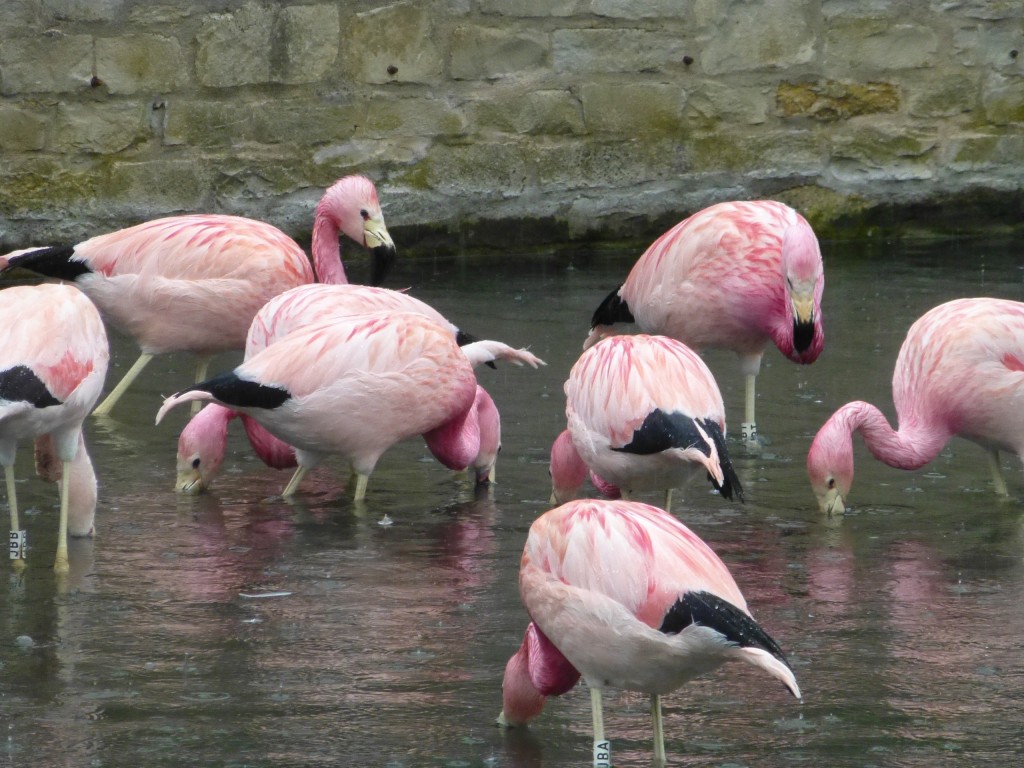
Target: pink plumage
{"x": 736, "y": 276}
{"x": 202, "y": 443}
{"x": 194, "y": 283}
{"x": 643, "y": 413}
{"x": 53, "y": 361}
{"x": 959, "y": 372}
{"x": 626, "y": 596}
{"x": 355, "y": 386}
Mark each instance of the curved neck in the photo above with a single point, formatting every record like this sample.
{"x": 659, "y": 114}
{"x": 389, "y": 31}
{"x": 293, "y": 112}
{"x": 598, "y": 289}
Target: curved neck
{"x": 327, "y": 250}
{"x": 912, "y": 446}
{"x": 273, "y": 451}
{"x": 457, "y": 442}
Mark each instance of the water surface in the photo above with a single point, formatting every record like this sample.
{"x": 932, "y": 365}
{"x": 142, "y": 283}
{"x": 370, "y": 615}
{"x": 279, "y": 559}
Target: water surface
{"x": 385, "y": 645}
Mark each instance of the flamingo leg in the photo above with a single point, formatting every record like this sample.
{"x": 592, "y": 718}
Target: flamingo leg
{"x": 60, "y": 564}
{"x": 659, "y": 730}
{"x": 997, "y": 473}
{"x": 602, "y": 748}
{"x": 668, "y": 500}
{"x": 293, "y": 484}
{"x": 202, "y": 369}
{"x": 17, "y": 535}
{"x": 104, "y": 408}
{"x": 361, "y": 481}
{"x": 749, "y": 427}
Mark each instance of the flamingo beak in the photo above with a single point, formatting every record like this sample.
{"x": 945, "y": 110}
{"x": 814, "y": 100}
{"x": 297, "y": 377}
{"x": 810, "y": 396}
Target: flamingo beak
{"x": 189, "y": 482}
{"x": 803, "y": 322}
{"x": 831, "y": 503}
{"x": 378, "y": 240}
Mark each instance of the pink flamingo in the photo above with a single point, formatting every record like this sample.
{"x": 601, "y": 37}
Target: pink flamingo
{"x": 53, "y": 360}
{"x": 735, "y": 276}
{"x": 194, "y": 283}
{"x": 355, "y": 386}
{"x": 627, "y": 596}
{"x": 643, "y": 413}
{"x": 960, "y": 371}
{"x": 202, "y": 444}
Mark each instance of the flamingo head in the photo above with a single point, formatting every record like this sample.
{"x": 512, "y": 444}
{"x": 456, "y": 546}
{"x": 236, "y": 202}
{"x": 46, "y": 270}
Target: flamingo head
{"x": 805, "y": 281}
{"x": 201, "y": 448}
{"x": 490, "y": 437}
{"x": 537, "y": 670}
{"x": 567, "y": 469}
{"x": 830, "y": 467}
{"x": 351, "y": 205}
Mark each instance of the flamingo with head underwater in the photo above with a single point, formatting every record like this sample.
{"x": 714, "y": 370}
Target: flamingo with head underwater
{"x": 194, "y": 283}
{"x": 960, "y": 371}
{"x": 643, "y": 413}
{"x": 737, "y": 276}
{"x": 626, "y": 596}
{"x": 53, "y": 360}
{"x": 355, "y": 386}
{"x": 203, "y": 441}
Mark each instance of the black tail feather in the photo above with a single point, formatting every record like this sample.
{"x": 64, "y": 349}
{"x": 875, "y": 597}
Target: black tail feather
{"x": 56, "y": 261}
{"x": 613, "y": 309}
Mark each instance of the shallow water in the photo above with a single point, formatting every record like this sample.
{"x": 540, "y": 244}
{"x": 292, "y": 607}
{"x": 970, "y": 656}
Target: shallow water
{"x": 235, "y": 629}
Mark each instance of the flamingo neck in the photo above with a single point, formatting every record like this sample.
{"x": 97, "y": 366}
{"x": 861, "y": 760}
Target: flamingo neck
{"x": 456, "y": 443}
{"x": 912, "y": 446}
{"x": 273, "y": 451}
{"x": 326, "y": 249}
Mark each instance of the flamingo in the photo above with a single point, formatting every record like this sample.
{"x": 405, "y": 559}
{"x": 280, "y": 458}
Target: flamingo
{"x": 643, "y": 413}
{"x": 194, "y": 283}
{"x": 960, "y": 371}
{"x": 735, "y": 276}
{"x": 202, "y": 444}
{"x": 626, "y": 596}
{"x": 355, "y": 386}
{"x": 53, "y": 360}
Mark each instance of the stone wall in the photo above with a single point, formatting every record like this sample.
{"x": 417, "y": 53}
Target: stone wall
{"x": 508, "y": 121}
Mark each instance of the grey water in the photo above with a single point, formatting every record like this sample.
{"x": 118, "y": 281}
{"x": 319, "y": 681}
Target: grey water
{"x": 234, "y": 629}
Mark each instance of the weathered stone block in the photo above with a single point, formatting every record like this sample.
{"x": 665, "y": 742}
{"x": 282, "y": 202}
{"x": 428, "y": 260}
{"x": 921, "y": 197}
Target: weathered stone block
{"x": 552, "y": 112}
{"x": 83, "y": 10}
{"x": 311, "y": 40}
{"x": 606, "y": 164}
{"x": 931, "y": 96}
{"x": 879, "y": 44}
{"x": 299, "y": 123}
{"x": 1002, "y": 100}
{"x": 204, "y": 123}
{"x": 615, "y": 50}
{"x": 633, "y": 109}
{"x": 529, "y": 8}
{"x": 396, "y": 43}
{"x": 22, "y": 130}
{"x": 731, "y": 104}
{"x": 760, "y": 153}
{"x": 986, "y": 45}
{"x": 46, "y": 64}
{"x": 100, "y": 128}
{"x": 479, "y": 53}
{"x": 892, "y": 153}
{"x": 386, "y": 118}
{"x": 234, "y": 48}
{"x": 830, "y": 100}
{"x": 44, "y": 183}
{"x": 133, "y": 63}
{"x": 981, "y": 9}
{"x": 630, "y": 9}
{"x": 170, "y": 185}
{"x": 754, "y": 35}
{"x": 485, "y": 168}
{"x": 973, "y": 151}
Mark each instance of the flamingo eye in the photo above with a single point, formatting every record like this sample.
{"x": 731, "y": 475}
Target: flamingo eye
{"x": 831, "y": 483}
{"x": 195, "y": 463}
{"x": 365, "y": 214}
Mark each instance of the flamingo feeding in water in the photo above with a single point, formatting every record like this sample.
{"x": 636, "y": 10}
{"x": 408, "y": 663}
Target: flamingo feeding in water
{"x": 626, "y": 596}
{"x": 202, "y": 444}
{"x": 960, "y": 371}
{"x": 643, "y": 413}
{"x": 53, "y": 360}
{"x": 194, "y": 283}
{"x": 734, "y": 276}
{"x": 355, "y": 386}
